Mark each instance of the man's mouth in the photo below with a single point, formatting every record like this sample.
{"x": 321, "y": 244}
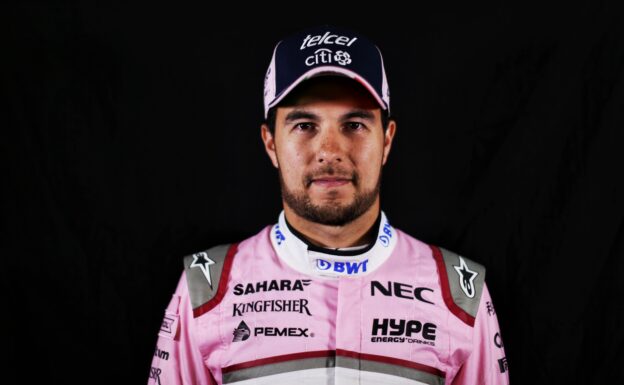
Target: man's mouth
{"x": 330, "y": 182}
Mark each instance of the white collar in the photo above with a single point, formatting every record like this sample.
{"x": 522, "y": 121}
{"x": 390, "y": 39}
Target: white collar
{"x": 294, "y": 252}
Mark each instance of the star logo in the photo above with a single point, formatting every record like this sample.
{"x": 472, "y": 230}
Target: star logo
{"x": 202, "y": 261}
{"x": 466, "y": 278}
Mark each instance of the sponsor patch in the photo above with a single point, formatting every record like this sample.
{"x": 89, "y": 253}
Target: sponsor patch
{"x": 327, "y": 39}
{"x": 241, "y": 333}
{"x": 410, "y": 331}
{"x": 154, "y": 374}
{"x": 202, "y": 261}
{"x": 502, "y": 365}
{"x": 162, "y": 354}
{"x": 498, "y": 341}
{"x": 466, "y": 278}
{"x": 272, "y": 305}
{"x": 387, "y": 235}
{"x": 169, "y": 326}
{"x": 490, "y": 308}
{"x": 342, "y": 267}
{"x": 272, "y": 285}
{"x": 282, "y": 332}
{"x": 401, "y": 290}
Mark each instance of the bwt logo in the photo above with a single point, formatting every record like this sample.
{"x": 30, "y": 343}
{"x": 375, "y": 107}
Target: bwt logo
{"x": 327, "y": 56}
{"x": 342, "y": 267}
{"x": 387, "y": 234}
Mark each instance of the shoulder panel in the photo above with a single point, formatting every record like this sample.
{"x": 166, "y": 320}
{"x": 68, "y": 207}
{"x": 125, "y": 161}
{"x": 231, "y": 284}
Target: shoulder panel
{"x": 207, "y": 273}
{"x": 462, "y": 281}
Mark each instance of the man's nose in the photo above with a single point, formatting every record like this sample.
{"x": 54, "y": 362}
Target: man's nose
{"x": 331, "y": 146}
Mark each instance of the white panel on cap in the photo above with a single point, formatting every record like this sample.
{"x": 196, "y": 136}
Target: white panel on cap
{"x": 269, "y": 84}
{"x": 385, "y": 90}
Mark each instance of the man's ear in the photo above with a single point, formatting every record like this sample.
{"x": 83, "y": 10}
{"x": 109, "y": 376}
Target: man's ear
{"x": 388, "y": 137}
{"x": 269, "y": 143}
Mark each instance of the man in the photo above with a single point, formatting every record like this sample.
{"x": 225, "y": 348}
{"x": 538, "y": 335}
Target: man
{"x": 331, "y": 293}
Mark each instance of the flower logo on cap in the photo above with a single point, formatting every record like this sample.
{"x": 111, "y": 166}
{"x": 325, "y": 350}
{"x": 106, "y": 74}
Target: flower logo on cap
{"x": 342, "y": 57}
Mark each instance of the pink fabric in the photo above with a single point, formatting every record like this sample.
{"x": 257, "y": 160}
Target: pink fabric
{"x": 342, "y": 317}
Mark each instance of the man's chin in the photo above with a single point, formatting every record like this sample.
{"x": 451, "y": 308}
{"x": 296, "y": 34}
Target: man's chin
{"x": 330, "y": 216}
{"x": 333, "y": 212}
{"x": 332, "y": 201}
{"x": 340, "y": 195}
{"x": 333, "y": 207}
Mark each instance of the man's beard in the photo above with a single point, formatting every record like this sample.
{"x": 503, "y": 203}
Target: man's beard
{"x": 331, "y": 213}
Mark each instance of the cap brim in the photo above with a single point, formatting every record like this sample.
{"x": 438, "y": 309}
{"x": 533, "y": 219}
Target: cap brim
{"x": 325, "y": 70}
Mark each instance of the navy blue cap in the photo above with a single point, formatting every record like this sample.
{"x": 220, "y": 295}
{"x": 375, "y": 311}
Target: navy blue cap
{"x": 325, "y": 50}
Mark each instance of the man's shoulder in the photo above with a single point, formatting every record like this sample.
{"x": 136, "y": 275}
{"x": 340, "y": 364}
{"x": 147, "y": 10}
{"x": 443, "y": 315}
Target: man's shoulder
{"x": 461, "y": 278}
{"x": 412, "y": 240}
{"x": 444, "y": 253}
{"x": 219, "y": 250}
{"x": 207, "y": 271}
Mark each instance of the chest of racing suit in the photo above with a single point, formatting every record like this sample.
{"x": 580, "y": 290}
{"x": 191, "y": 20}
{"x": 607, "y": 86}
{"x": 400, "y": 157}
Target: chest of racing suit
{"x": 273, "y": 309}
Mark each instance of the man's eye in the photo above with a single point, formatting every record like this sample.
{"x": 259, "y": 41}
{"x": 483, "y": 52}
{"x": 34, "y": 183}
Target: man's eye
{"x": 354, "y": 125}
{"x": 304, "y": 126}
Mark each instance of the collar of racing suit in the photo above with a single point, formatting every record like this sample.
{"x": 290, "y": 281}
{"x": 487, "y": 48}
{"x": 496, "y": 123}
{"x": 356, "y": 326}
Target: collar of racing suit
{"x": 332, "y": 263}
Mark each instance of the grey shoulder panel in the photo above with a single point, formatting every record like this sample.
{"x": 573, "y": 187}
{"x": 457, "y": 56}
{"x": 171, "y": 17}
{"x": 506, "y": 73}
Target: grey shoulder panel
{"x": 466, "y": 278}
{"x": 203, "y": 273}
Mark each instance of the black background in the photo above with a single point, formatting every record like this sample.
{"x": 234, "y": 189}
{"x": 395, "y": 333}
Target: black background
{"x": 130, "y": 137}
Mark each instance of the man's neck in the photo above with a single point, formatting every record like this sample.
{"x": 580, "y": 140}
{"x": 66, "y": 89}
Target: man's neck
{"x": 358, "y": 232}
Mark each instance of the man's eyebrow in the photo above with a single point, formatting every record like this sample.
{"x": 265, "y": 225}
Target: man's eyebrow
{"x": 362, "y": 114}
{"x": 300, "y": 114}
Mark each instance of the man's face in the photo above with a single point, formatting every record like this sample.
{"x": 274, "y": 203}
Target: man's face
{"x": 329, "y": 147}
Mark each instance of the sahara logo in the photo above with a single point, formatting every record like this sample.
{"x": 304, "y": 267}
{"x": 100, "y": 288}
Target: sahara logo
{"x": 272, "y": 285}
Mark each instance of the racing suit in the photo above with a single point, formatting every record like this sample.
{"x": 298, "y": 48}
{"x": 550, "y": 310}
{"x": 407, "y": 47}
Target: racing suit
{"x": 274, "y": 309}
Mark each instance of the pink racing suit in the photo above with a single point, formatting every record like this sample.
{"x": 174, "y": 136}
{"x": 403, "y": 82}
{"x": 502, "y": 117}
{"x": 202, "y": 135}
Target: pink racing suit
{"x": 274, "y": 309}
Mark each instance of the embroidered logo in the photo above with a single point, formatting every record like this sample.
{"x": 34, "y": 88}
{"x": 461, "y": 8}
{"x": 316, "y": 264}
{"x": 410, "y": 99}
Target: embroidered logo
{"x": 466, "y": 278}
{"x": 279, "y": 236}
{"x": 202, "y": 261}
{"x": 241, "y": 333}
